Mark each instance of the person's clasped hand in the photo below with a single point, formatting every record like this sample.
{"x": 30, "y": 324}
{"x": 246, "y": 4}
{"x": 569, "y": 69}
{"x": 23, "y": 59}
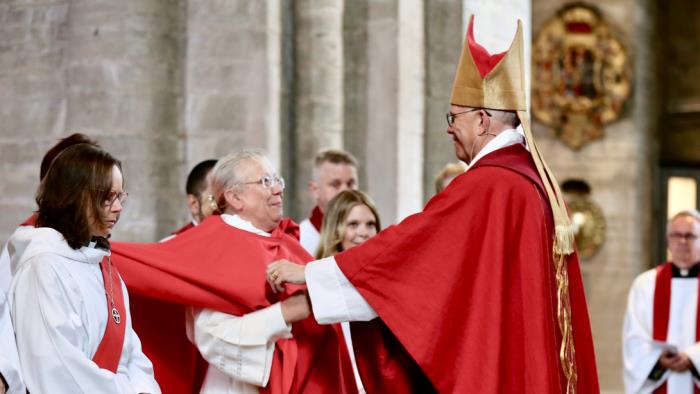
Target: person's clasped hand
{"x": 678, "y": 362}
{"x": 284, "y": 271}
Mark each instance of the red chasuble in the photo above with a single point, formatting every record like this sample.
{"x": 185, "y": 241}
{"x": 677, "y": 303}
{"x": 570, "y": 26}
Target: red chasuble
{"x": 188, "y": 226}
{"x": 219, "y": 267}
{"x": 467, "y": 289}
{"x": 662, "y": 306}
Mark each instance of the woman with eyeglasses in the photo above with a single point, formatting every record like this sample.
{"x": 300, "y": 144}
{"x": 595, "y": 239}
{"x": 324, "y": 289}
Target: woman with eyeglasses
{"x": 69, "y": 306}
{"x": 253, "y": 339}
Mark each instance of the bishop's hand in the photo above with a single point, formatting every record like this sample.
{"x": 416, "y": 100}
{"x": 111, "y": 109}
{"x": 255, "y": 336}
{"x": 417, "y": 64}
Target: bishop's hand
{"x": 284, "y": 271}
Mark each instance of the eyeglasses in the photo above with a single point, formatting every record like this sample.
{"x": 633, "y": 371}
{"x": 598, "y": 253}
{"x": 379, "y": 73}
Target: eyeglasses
{"x": 688, "y": 237}
{"x": 451, "y": 117}
{"x": 268, "y": 181}
{"x": 112, "y": 197}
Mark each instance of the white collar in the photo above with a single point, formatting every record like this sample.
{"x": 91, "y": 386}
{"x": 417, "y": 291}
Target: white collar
{"x": 505, "y": 139}
{"x": 242, "y": 224}
{"x": 92, "y": 254}
{"x": 28, "y": 242}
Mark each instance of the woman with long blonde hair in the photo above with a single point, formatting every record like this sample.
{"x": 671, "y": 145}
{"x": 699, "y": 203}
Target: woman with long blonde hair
{"x": 351, "y": 219}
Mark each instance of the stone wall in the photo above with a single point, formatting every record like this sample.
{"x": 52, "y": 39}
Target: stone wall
{"x": 110, "y": 71}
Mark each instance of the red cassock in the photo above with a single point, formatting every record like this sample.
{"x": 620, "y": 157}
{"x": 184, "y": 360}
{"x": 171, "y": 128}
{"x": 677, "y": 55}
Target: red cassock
{"x": 219, "y": 267}
{"x": 466, "y": 292}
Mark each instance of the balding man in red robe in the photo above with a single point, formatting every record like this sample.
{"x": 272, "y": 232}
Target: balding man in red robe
{"x": 481, "y": 292}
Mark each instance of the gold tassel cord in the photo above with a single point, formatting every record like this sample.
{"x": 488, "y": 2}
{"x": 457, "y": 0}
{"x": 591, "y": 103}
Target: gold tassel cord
{"x": 567, "y": 354}
{"x": 563, "y": 246}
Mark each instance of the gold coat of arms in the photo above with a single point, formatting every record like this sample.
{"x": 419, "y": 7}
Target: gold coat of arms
{"x": 581, "y": 76}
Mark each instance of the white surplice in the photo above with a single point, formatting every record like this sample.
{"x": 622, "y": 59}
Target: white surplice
{"x": 9, "y": 360}
{"x": 239, "y": 349}
{"x": 639, "y": 351}
{"x": 309, "y": 236}
{"x": 59, "y": 313}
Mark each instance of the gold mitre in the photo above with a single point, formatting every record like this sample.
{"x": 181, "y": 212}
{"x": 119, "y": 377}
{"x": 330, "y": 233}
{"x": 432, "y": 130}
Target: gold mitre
{"x": 498, "y": 82}
{"x": 490, "y": 81}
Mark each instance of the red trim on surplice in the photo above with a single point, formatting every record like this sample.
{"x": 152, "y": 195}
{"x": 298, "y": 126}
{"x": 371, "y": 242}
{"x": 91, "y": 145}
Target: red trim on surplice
{"x": 468, "y": 287}
{"x": 662, "y": 310}
{"x": 316, "y": 218}
{"x": 217, "y": 266}
{"x": 110, "y": 349}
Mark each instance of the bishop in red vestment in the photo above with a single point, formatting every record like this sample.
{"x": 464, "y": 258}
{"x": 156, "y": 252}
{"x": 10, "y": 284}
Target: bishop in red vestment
{"x": 481, "y": 292}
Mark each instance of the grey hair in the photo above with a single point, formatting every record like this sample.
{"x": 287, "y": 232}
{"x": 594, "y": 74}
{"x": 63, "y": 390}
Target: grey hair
{"x": 228, "y": 173}
{"x": 509, "y": 118}
{"x": 691, "y": 213}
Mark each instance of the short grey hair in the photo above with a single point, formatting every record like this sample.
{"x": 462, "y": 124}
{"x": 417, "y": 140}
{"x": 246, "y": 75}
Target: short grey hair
{"x": 333, "y": 156}
{"x": 691, "y": 213}
{"x": 229, "y": 172}
{"x": 509, "y": 118}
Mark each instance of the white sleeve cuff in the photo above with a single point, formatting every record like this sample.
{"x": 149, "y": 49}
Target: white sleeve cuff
{"x": 241, "y": 346}
{"x": 265, "y": 326}
{"x": 693, "y": 353}
{"x": 333, "y": 298}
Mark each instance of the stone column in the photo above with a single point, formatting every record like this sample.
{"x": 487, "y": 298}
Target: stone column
{"x": 232, "y": 78}
{"x": 318, "y": 95}
{"x": 395, "y": 106}
{"x": 444, "y": 37}
{"x": 355, "y": 70}
{"x": 123, "y": 81}
{"x": 32, "y": 100}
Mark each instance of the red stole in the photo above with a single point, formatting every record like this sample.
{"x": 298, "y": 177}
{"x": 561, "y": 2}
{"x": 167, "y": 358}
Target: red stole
{"x": 467, "y": 287}
{"x": 182, "y": 229}
{"x": 219, "y": 267}
{"x": 662, "y": 306}
{"x": 30, "y": 221}
{"x": 316, "y": 218}
{"x": 110, "y": 349}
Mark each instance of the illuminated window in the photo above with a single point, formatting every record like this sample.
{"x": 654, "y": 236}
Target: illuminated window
{"x": 682, "y": 194}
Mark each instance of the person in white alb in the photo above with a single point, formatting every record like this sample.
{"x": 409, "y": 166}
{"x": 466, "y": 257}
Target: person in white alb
{"x": 334, "y": 170}
{"x": 69, "y": 307}
{"x": 10, "y": 372}
{"x": 661, "y": 348}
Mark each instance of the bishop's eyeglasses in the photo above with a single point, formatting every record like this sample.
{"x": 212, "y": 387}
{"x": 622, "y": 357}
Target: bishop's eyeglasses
{"x": 451, "y": 117}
